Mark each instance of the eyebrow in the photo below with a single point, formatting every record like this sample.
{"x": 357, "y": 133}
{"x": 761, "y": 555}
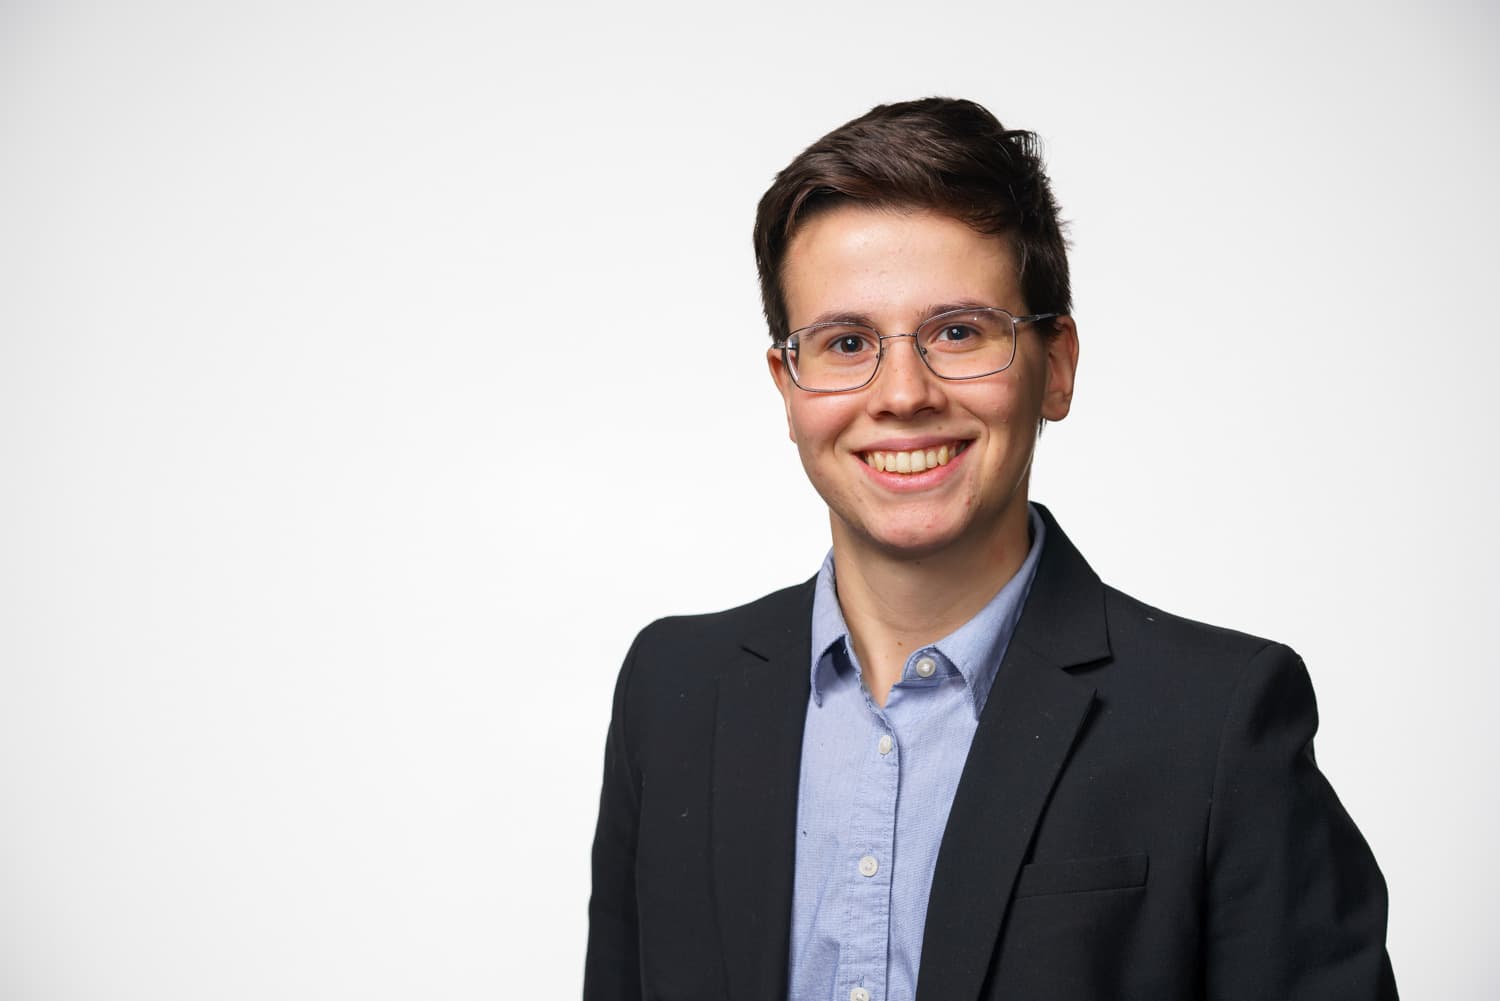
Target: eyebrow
{"x": 864, "y": 319}
{"x": 953, "y": 307}
{"x": 840, "y": 316}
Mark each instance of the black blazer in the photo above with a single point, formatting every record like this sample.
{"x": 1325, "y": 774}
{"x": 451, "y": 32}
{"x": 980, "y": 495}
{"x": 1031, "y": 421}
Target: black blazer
{"x": 1140, "y": 816}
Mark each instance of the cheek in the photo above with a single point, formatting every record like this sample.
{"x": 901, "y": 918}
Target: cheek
{"x": 1004, "y": 405}
{"x": 816, "y": 423}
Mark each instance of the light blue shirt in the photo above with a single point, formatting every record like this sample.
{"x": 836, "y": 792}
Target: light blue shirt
{"x": 876, "y": 787}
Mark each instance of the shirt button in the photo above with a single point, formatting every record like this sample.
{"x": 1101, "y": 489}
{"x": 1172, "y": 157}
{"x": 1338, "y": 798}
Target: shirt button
{"x": 886, "y": 743}
{"x": 859, "y": 994}
{"x": 868, "y": 866}
{"x": 925, "y": 667}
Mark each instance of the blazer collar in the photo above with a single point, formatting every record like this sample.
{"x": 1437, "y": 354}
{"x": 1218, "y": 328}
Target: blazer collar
{"x": 1064, "y": 620}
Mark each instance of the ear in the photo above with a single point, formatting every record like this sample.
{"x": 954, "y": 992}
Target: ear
{"x": 1062, "y": 366}
{"x": 784, "y": 385}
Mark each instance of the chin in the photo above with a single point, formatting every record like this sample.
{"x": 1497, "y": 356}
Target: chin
{"x": 909, "y": 543}
{"x": 948, "y": 529}
{"x": 914, "y": 552}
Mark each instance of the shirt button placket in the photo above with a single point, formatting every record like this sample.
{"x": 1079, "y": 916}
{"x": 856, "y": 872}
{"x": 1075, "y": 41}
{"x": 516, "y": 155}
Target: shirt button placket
{"x": 864, "y": 954}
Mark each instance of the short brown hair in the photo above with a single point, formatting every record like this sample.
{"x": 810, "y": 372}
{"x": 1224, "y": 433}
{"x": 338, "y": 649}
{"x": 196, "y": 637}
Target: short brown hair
{"x": 939, "y": 153}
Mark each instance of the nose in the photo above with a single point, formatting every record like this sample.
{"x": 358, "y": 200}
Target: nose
{"x": 904, "y": 386}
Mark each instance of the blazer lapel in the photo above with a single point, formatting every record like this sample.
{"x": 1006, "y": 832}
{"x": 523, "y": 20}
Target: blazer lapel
{"x": 1026, "y": 731}
{"x": 762, "y": 706}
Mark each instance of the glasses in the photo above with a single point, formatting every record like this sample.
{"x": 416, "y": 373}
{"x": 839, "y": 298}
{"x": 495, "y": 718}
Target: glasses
{"x": 961, "y": 344}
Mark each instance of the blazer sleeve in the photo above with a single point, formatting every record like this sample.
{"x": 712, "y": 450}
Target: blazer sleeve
{"x": 612, "y": 963}
{"x": 1296, "y": 905}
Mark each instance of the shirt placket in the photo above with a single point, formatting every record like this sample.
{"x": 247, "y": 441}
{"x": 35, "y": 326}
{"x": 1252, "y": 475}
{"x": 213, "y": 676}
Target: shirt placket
{"x": 865, "y": 957}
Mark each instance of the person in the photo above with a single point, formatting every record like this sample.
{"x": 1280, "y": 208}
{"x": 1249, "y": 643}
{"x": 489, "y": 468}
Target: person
{"x": 955, "y": 765}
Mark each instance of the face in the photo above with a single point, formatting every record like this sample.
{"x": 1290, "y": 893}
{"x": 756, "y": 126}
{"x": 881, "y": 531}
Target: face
{"x": 898, "y": 268}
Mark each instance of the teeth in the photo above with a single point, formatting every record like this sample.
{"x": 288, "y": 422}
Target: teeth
{"x": 915, "y": 461}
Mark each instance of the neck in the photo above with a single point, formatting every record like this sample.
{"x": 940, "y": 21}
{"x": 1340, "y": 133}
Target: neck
{"x": 894, "y": 604}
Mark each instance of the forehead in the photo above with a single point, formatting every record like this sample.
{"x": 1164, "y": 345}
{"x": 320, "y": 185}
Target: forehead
{"x": 893, "y": 264}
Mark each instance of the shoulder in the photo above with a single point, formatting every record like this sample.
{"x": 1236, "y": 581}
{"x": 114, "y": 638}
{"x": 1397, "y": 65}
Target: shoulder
{"x": 1206, "y": 667}
{"x": 683, "y": 654}
{"x": 776, "y": 615}
{"x": 1140, "y": 627}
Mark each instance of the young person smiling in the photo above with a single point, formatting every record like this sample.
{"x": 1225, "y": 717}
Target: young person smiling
{"x": 955, "y": 765}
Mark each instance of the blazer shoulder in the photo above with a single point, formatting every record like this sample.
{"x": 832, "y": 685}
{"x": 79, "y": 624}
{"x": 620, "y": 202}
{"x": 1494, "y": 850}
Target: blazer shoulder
{"x": 1134, "y": 622}
{"x": 769, "y": 613}
{"x": 668, "y": 686}
{"x": 1204, "y": 663}
{"x": 682, "y": 647}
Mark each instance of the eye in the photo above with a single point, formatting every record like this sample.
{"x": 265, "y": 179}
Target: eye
{"x": 954, "y": 337}
{"x": 840, "y": 343}
{"x": 962, "y": 333}
{"x": 848, "y": 344}
{"x": 956, "y": 332}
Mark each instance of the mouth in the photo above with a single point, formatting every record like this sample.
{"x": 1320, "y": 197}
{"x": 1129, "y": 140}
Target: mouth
{"x": 917, "y": 460}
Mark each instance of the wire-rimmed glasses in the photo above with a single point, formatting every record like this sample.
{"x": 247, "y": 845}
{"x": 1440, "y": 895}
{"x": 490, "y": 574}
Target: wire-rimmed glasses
{"x": 960, "y": 344}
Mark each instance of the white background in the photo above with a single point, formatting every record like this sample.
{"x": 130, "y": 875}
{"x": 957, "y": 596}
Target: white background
{"x": 370, "y": 373}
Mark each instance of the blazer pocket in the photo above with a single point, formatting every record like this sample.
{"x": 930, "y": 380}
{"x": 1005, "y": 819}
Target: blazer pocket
{"x": 1084, "y": 875}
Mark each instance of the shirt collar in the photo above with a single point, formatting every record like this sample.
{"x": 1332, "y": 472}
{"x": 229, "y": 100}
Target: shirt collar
{"x": 974, "y": 648}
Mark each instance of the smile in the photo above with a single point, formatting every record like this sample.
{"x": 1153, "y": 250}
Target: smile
{"x": 916, "y": 461}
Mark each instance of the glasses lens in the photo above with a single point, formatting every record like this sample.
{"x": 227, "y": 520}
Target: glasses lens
{"x": 968, "y": 343}
{"x": 829, "y": 357}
